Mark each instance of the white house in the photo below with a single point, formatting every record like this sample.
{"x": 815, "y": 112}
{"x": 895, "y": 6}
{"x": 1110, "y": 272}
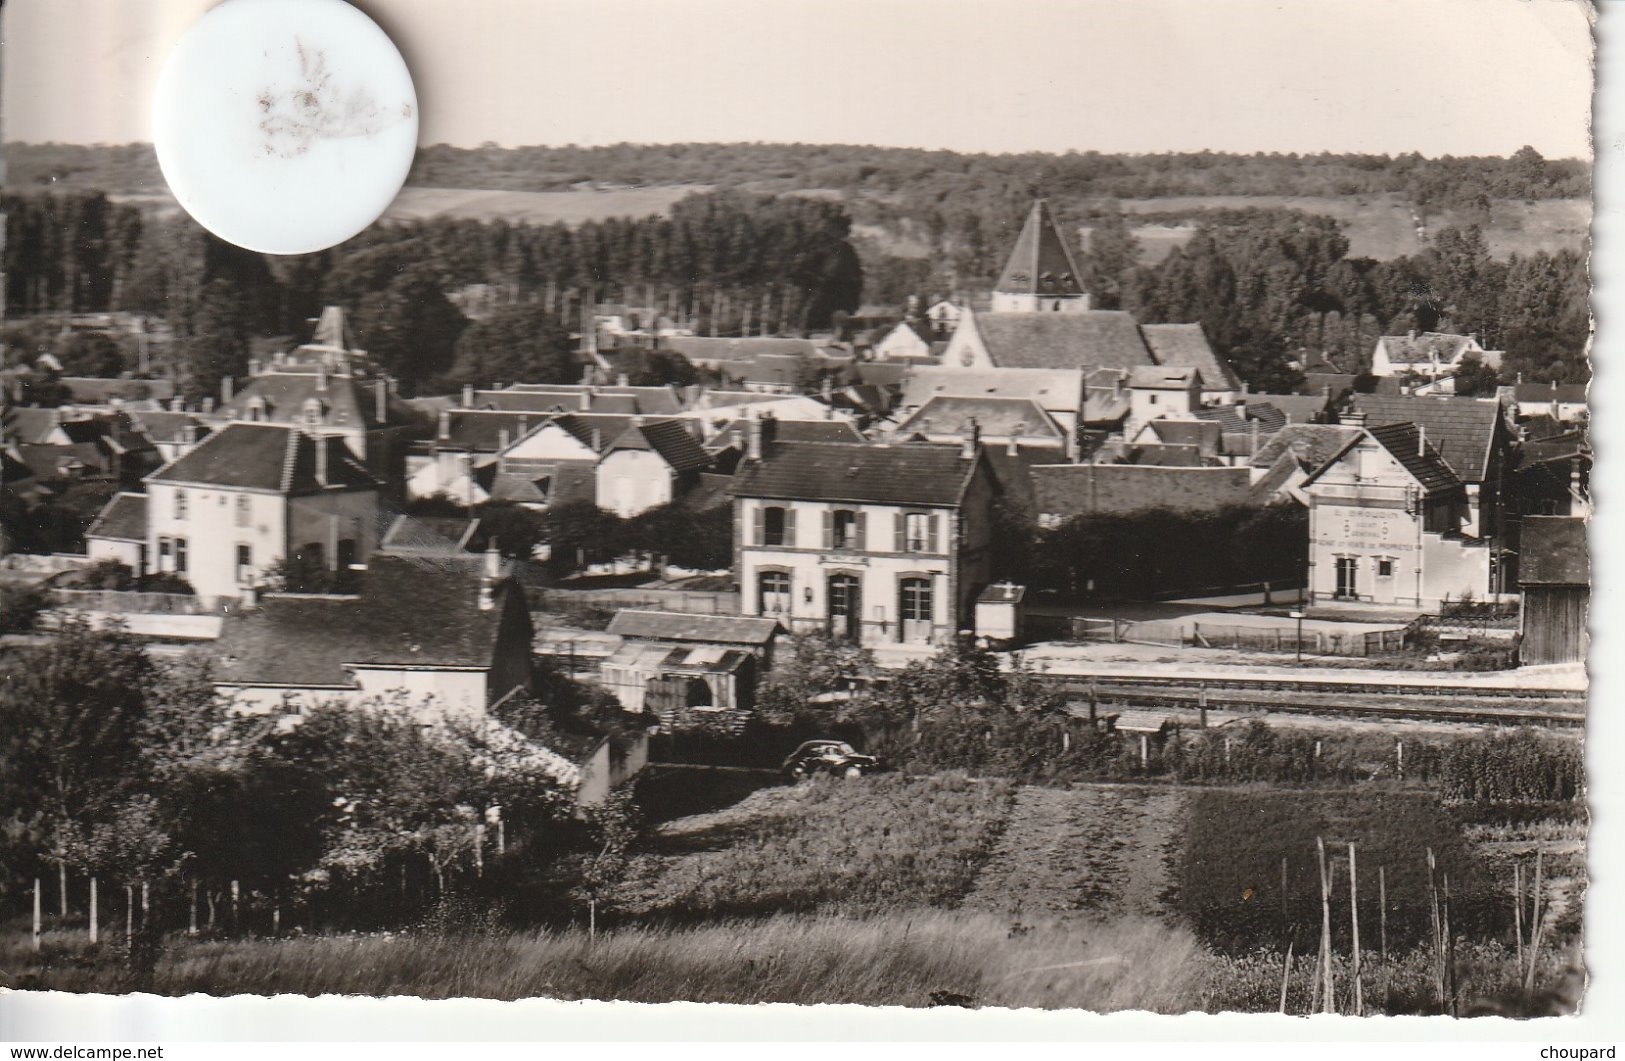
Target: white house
{"x": 650, "y": 464}
{"x": 878, "y": 543}
{"x": 253, "y": 494}
{"x": 1385, "y": 524}
{"x": 903, "y": 343}
{"x": 1428, "y": 354}
{"x": 1156, "y": 392}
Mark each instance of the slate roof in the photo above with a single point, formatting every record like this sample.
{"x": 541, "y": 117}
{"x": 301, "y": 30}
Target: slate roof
{"x": 51, "y": 461}
{"x": 1567, "y": 393}
{"x": 1236, "y": 420}
{"x": 270, "y": 457}
{"x": 1098, "y": 338}
{"x": 1462, "y": 430}
{"x": 1318, "y": 382}
{"x": 480, "y": 430}
{"x": 1165, "y": 456}
{"x": 668, "y": 438}
{"x": 412, "y": 612}
{"x": 1001, "y": 417}
{"x": 123, "y": 519}
{"x": 1068, "y": 490}
{"x": 683, "y": 626}
{"x": 1186, "y": 345}
{"x": 1553, "y": 552}
{"x": 347, "y": 401}
{"x": 161, "y": 426}
{"x": 1405, "y": 442}
{"x": 27, "y": 425}
{"x": 448, "y": 535}
{"x": 913, "y": 473}
{"x": 96, "y": 390}
{"x": 1277, "y": 475}
{"x": 1040, "y": 263}
{"x": 1311, "y": 444}
{"x": 880, "y": 373}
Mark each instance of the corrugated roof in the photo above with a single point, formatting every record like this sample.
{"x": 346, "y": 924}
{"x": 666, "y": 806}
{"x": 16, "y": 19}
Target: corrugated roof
{"x": 1099, "y": 338}
{"x": 1553, "y": 552}
{"x": 1462, "y": 430}
{"x": 266, "y": 457}
{"x": 123, "y": 519}
{"x": 683, "y": 626}
{"x": 905, "y": 474}
{"x": 1187, "y": 345}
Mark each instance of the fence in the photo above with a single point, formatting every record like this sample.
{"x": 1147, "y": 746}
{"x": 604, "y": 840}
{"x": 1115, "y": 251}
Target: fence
{"x": 1176, "y": 633}
{"x": 124, "y": 601}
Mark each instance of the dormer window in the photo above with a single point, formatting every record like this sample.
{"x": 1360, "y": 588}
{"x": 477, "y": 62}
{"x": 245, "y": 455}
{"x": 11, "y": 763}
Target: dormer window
{"x": 312, "y": 413}
{"x": 256, "y": 409}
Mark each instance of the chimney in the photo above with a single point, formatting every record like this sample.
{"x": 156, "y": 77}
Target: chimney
{"x": 753, "y": 440}
{"x": 770, "y": 428}
{"x": 468, "y": 396}
{"x": 208, "y": 405}
{"x": 1012, "y": 447}
{"x": 226, "y": 385}
{"x": 736, "y": 439}
{"x": 524, "y": 426}
{"x": 585, "y": 403}
{"x": 189, "y": 437}
{"x": 1352, "y": 418}
{"x": 253, "y": 367}
{"x": 598, "y": 440}
{"x": 380, "y": 401}
{"x": 972, "y": 439}
{"x": 1411, "y": 335}
{"x": 443, "y": 431}
{"x": 1421, "y": 441}
{"x": 491, "y": 574}
{"x": 321, "y": 459}
{"x": 321, "y": 378}
{"x": 1254, "y": 432}
{"x": 1246, "y": 388}
{"x": 502, "y": 440}
{"x": 177, "y": 404}
{"x": 623, "y": 380}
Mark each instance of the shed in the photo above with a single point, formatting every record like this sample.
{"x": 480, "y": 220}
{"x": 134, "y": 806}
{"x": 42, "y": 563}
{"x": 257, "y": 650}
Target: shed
{"x": 999, "y": 612}
{"x": 1555, "y": 577}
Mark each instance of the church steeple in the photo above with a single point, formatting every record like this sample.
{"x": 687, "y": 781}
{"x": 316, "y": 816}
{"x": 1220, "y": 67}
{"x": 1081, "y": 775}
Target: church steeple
{"x": 1041, "y": 274}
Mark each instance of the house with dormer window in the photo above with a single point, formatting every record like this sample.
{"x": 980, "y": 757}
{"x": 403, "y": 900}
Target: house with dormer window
{"x": 877, "y": 543}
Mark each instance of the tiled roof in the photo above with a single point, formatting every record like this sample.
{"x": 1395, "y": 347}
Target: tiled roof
{"x": 26, "y": 425}
{"x": 1109, "y": 338}
{"x": 1052, "y": 389}
{"x": 95, "y": 390}
{"x": 1160, "y": 377}
{"x": 123, "y": 519}
{"x": 904, "y": 474}
{"x": 1463, "y": 430}
{"x": 50, "y": 461}
{"x": 1236, "y": 419}
{"x": 1318, "y": 382}
{"x": 448, "y": 535}
{"x": 1311, "y": 444}
{"x": 705, "y": 348}
{"x": 789, "y": 431}
{"x": 1567, "y": 393}
{"x": 1298, "y": 408}
{"x": 1279, "y": 473}
{"x": 670, "y": 439}
{"x": 1186, "y": 345}
{"x": 1406, "y": 349}
{"x": 1406, "y": 443}
{"x": 1041, "y": 262}
{"x": 161, "y": 426}
{"x": 953, "y": 415}
{"x": 1553, "y": 552}
{"x": 1159, "y": 455}
{"x": 266, "y": 457}
{"x": 1200, "y": 434}
{"x": 481, "y": 430}
{"x": 412, "y": 612}
{"x": 683, "y": 626}
{"x": 880, "y": 373}
{"x": 1068, "y": 490}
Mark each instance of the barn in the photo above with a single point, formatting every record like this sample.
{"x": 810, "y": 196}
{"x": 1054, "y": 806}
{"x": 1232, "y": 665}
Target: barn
{"x": 1555, "y": 577}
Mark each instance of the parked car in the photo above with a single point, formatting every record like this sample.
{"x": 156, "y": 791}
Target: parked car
{"x": 828, "y": 757}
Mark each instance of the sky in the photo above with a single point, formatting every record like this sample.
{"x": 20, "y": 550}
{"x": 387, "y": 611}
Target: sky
{"x": 1462, "y": 77}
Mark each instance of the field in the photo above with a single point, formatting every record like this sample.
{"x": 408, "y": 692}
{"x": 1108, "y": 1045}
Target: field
{"x": 1378, "y": 226}
{"x": 943, "y": 890}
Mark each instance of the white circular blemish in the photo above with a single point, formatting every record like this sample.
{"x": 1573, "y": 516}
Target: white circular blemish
{"x": 285, "y": 126}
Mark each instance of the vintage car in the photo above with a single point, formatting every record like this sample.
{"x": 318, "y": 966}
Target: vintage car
{"x": 828, "y": 757}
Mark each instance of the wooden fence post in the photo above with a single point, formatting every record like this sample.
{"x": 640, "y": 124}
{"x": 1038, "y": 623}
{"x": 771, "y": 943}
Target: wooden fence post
{"x": 1382, "y": 908}
{"x": 37, "y": 918}
{"x": 1326, "y": 926}
{"x": 93, "y": 909}
{"x": 1354, "y": 929}
{"x": 129, "y": 914}
{"x": 1286, "y": 975}
{"x": 1517, "y": 908}
{"x": 236, "y": 894}
{"x": 191, "y": 921}
{"x": 62, "y": 887}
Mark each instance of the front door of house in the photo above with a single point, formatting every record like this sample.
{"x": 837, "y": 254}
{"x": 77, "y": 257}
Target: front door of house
{"x": 916, "y": 607}
{"x": 845, "y": 606}
{"x": 1346, "y": 569}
